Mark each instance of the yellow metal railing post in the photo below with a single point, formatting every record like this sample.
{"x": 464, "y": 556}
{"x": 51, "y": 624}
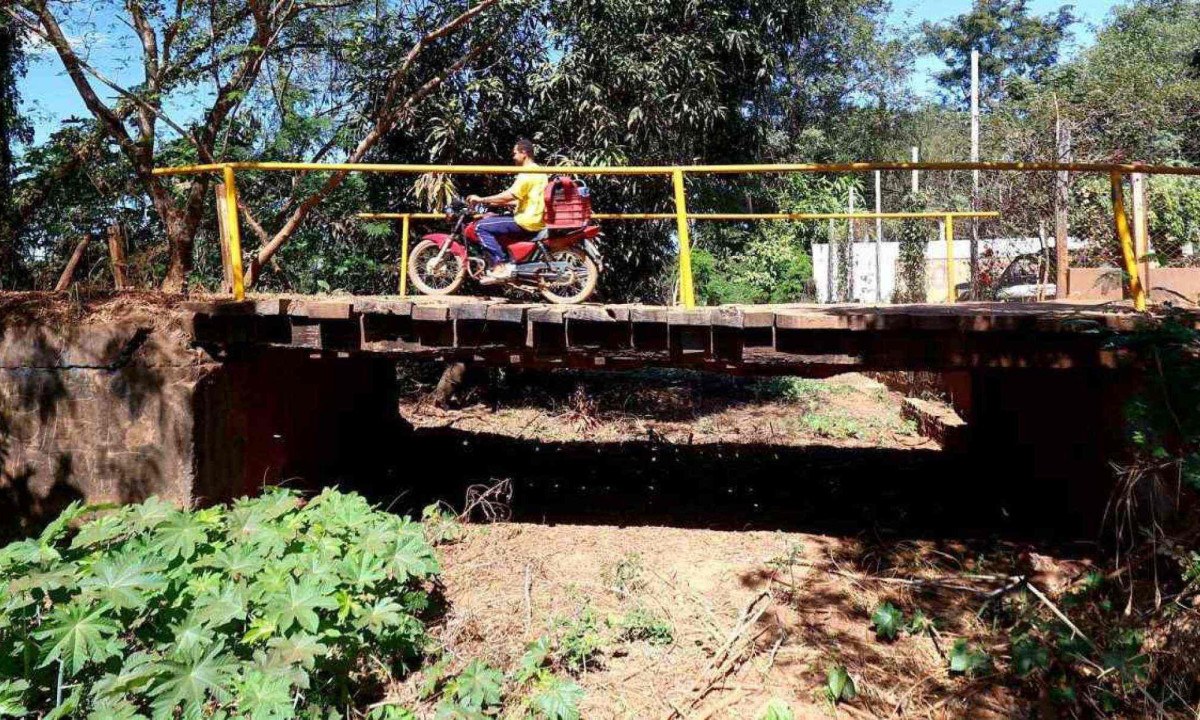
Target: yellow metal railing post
{"x": 234, "y": 233}
{"x": 950, "y": 284}
{"x": 687, "y": 294}
{"x": 404, "y": 255}
{"x": 1125, "y": 238}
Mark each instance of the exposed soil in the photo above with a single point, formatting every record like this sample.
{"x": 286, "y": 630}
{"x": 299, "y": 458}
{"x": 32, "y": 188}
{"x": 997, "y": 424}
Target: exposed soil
{"x": 747, "y": 531}
{"x": 751, "y": 616}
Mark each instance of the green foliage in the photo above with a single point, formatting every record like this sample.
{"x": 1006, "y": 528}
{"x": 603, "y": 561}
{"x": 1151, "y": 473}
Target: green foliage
{"x": 579, "y": 641}
{"x": 147, "y": 610}
{"x": 913, "y": 238}
{"x": 642, "y": 624}
{"x": 834, "y": 427}
{"x": 967, "y": 659}
{"x": 1014, "y": 45}
{"x": 530, "y": 692}
{"x": 441, "y": 524}
{"x": 888, "y": 620}
{"x": 793, "y": 389}
{"x": 1029, "y": 655}
{"x": 839, "y": 686}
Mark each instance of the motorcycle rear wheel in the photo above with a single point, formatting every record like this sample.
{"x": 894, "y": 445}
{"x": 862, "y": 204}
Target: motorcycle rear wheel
{"x": 440, "y": 278}
{"x": 586, "y": 276}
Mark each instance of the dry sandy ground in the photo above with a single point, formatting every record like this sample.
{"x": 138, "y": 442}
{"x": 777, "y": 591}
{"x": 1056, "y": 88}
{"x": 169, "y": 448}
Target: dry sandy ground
{"x": 753, "y": 616}
{"x": 848, "y": 410}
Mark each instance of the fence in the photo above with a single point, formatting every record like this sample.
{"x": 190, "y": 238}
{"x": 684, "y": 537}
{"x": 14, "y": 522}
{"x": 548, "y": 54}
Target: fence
{"x": 1088, "y": 228}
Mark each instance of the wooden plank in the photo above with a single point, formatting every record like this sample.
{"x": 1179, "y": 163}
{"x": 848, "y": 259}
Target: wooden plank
{"x": 648, "y": 314}
{"x": 217, "y": 308}
{"x": 469, "y": 311}
{"x": 116, "y": 253}
{"x": 507, "y": 313}
{"x": 322, "y": 309}
{"x": 271, "y": 306}
{"x": 692, "y": 317}
{"x": 68, "y": 273}
{"x": 430, "y": 313}
{"x": 383, "y": 306}
{"x": 805, "y": 320}
{"x": 547, "y": 331}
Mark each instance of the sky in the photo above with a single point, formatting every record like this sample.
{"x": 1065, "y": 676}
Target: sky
{"x": 48, "y": 95}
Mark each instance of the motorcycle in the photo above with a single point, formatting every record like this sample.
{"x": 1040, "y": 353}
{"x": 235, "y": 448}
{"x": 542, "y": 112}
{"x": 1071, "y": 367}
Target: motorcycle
{"x": 563, "y": 265}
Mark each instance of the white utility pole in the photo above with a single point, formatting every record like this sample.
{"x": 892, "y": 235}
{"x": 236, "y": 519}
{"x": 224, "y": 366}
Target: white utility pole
{"x": 878, "y": 237}
{"x": 974, "y": 173}
{"x": 916, "y": 174}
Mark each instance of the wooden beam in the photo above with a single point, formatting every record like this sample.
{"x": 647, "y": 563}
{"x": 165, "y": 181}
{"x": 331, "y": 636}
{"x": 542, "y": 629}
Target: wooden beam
{"x": 116, "y": 253}
{"x": 68, "y": 273}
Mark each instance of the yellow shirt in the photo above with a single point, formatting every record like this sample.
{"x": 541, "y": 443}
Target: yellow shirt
{"x": 530, "y": 191}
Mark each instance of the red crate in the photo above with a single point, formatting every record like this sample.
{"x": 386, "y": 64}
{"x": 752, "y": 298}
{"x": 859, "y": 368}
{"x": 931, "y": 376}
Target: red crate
{"x": 568, "y": 203}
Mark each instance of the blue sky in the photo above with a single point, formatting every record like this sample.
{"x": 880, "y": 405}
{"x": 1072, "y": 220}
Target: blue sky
{"x": 48, "y": 95}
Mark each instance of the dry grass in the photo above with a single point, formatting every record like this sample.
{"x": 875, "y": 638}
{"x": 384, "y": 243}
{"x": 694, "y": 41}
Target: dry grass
{"x": 754, "y": 616}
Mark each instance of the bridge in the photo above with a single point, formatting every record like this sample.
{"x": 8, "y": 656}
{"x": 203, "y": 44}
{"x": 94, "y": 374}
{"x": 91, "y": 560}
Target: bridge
{"x": 808, "y": 340}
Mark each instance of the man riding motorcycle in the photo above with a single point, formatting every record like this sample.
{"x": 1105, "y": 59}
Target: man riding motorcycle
{"x": 527, "y": 196}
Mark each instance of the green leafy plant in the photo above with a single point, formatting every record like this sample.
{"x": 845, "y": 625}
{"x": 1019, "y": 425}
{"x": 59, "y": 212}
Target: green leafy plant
{"x": 887, "y": 620}
{"x": 967, "y": 659}
{"x": 839, "y": 686}
{"x": 642, "y": 624}
{"x": 579, "y": 641}
{"x": 251, "y": 610}
{"x": 1029, "y": 655}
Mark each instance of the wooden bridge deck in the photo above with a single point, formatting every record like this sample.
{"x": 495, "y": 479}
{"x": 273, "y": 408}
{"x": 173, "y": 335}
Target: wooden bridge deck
{"x": 811, "y": 340}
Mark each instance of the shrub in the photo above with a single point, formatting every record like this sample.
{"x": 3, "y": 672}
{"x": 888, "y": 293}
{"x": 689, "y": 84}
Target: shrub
{"x": 255, "y": 610}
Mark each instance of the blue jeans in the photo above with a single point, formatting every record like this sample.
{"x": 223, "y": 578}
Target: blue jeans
{"x": 491, "y": 230}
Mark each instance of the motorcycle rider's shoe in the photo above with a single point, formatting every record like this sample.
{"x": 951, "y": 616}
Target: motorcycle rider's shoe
{"x": 500, "y": 272}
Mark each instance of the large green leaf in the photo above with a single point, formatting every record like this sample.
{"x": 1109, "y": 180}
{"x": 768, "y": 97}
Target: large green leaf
{"x": 123, "y": 582}
{"x": 12, "y": 698}
{"x": 77, "y": 634}
{"x": 300, "y": 649}
{"x": 136, "y": 673}
{"x": 839, "y": 685}
{"x": 966, "y": 658}
{"x": 477, "y": 686}
{"x": 411, "y": 557}
{"x": 179, "y": 535}
{"x": 298, "y": 605}
{"x": 263, "y": 696}
{"x": 887, "y": 620}
{"x": 191, "y": 679}
{"x": 557, "y": 699}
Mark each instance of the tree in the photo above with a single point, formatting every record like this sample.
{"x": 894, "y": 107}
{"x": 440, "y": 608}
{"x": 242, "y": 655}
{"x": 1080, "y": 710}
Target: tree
{"x": 1135, "y": 93}
{"x": 13, "y": 129}
{"x": 212, "y": 54}
{"x": 1014, "y": 46}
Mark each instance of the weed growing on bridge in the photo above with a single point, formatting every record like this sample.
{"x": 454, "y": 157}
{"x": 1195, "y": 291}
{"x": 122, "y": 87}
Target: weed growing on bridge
{"x": 273, "y": 607}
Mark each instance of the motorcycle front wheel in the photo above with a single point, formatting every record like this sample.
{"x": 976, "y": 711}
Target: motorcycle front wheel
{"x": 583, "y": 277}
{"x": 432, "y": 275}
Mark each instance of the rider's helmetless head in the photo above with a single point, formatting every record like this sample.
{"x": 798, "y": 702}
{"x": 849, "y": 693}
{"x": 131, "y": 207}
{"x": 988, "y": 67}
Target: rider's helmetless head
{"x": 523, "y": 151}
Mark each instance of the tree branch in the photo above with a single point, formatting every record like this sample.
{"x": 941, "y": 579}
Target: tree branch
{"x": 385, "y": 123}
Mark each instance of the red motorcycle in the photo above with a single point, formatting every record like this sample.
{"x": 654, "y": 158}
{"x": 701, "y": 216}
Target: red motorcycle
{"x": 561, "y": 262}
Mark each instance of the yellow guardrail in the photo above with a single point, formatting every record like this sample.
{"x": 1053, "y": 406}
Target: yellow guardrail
{"x": 685, "y": 269}
{"x": 1116, "y": 172}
